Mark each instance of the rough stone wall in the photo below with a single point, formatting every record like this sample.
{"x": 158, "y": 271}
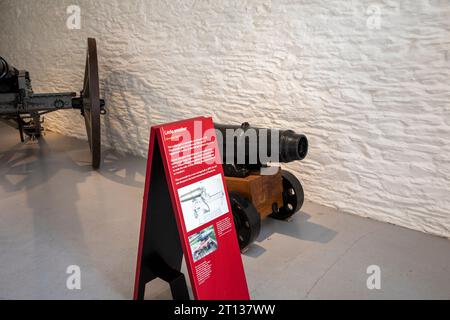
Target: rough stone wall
{"x": 367, "y": 81}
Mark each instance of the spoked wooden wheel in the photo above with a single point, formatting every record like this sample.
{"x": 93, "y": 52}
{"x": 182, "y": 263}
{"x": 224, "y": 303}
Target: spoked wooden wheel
{"x": 91, "y": 102}
{"x": 246, "y": 219}
{"x": 293, "y": 197}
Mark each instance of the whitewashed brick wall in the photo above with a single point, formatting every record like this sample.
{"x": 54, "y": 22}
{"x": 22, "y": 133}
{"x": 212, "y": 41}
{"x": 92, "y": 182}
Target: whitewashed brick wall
{"x": 367, "y": 81}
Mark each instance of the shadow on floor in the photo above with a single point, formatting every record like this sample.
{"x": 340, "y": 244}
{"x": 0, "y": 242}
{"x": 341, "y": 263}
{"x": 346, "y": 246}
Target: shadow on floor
{"x": 297, "y": 227}
{"x": 30, "y": 164}
{"x": 26, "y": 170}
{"x": 47, "y": 176}
{"x": 123, "y": 169}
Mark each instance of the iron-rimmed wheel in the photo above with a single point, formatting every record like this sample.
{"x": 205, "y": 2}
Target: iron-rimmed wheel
{"x": 91, "y": 102}
{"x": 293, "y": 197}
{"x": 246, "y": 219}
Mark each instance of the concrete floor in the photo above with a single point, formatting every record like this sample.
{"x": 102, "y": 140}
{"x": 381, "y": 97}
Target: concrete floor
{"x": 55, "y": 212}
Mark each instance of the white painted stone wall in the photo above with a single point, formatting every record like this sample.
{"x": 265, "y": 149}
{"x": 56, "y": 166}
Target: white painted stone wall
{"x": 367, "y": 81}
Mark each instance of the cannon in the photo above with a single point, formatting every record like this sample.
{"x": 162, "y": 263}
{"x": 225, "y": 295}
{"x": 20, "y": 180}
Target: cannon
{"x": 23, "y": 109}
{"x": 257, "y": 188}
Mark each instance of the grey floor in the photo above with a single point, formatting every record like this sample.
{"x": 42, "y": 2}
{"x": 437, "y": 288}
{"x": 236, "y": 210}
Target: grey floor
{"x": 55, "y": 212}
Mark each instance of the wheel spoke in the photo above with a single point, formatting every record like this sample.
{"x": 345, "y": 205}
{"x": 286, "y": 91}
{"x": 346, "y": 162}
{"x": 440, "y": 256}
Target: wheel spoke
{"x": 292, "y": 197}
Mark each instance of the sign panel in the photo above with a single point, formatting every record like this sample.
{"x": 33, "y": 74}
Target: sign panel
{"x": 199, "y": 201}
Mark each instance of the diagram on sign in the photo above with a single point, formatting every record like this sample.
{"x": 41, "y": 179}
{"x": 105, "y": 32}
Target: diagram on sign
{"x": 203, "y": 243}
{"x": 203, "y": 201}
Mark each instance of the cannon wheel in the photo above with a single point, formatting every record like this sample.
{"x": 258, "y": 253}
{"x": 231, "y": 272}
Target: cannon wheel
{"x": 293, "y": 197}
{"x": 91, "y": 102}
{"x": 246, "y": 219}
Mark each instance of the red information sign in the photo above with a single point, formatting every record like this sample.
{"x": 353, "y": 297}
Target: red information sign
{"x": 189, "y": 186}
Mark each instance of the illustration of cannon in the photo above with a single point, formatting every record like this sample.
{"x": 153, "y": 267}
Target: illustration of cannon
{"x": 23, "y": 109}
{"x": 257, "y": 190}
{"x": 200, "y": 199}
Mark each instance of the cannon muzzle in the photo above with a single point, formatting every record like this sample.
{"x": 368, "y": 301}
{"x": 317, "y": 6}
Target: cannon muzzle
{"x": 6, "y": 70}
{"x": 279, "y": 145}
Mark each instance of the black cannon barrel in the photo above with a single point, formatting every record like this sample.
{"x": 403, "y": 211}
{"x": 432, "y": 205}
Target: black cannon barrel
{"x": 6, "y": 70}
{"x": 8, "y": 77}
{"x": 291, "y": 146}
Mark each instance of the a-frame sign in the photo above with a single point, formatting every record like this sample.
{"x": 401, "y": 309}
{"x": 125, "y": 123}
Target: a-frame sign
{"x": 186, "y": 212}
